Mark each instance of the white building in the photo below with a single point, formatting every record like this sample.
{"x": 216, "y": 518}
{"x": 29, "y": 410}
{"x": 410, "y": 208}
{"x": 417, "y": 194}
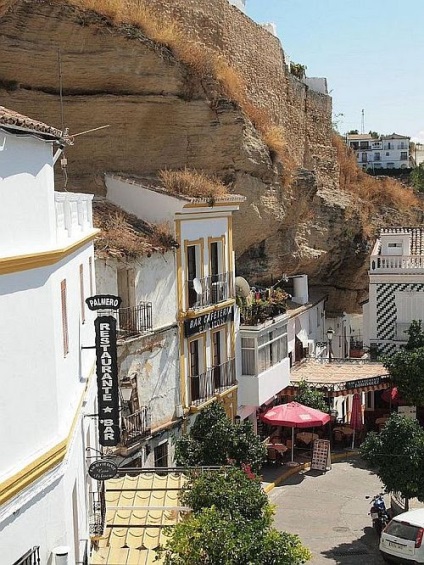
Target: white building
{"x": 240, "y": 4}
{"x": 396, "y": 288}
{"x": 46, "y": 271}
{"x": 194, "y": 294}
{"x": 141, "y": 269}
{"x": 268, "y": 349}
{"x": 383, "y": 152}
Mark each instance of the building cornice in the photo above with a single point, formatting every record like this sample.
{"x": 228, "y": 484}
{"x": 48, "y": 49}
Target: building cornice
{"x": 29, "y": 261}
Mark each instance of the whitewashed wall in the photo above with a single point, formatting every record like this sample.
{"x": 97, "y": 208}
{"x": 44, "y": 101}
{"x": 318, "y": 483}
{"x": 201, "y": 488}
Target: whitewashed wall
{"x": 26, "y": 184}
{"x": 155, "y": 282}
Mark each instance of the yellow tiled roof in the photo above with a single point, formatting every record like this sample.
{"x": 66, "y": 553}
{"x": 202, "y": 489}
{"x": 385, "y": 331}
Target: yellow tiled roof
{"x": 137, "y": 509}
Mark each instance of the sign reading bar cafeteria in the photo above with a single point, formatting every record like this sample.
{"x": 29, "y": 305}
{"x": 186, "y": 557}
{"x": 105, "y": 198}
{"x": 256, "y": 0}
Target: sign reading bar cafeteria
{"x": 208, "y": 321}
{"x": 107, "y": 381}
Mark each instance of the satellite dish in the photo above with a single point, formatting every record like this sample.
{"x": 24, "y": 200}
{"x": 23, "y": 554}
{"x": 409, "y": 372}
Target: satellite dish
{"x": 197, "y": 285}
{"x": 242, "y": 287}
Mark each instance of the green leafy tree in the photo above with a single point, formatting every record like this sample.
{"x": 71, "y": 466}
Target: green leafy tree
{"x": 417, "y": 177}
{"x": 406, "y": 367}
{"x": 397, "y": 453}
{"x": 214, "y": 440}
{"x": 309, "y": 396}
{"x": 232, "y": 491}
{"x": 230, "y": 524}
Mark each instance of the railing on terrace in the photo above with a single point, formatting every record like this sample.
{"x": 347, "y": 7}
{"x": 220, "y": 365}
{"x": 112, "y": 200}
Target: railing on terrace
{"x": 31, "y": 557}
{"x": 97, "y": 513}
{"x": 136, "y": 426}
{"x": 212, "y": 290}
{"x": 215, "y": 380}
{"x": 397, "y": 263}
{"x": 74, "y": 214}
{"x": 133, "y": 321}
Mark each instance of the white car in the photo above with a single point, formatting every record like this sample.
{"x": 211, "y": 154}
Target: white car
{"x": 402, "y": 539}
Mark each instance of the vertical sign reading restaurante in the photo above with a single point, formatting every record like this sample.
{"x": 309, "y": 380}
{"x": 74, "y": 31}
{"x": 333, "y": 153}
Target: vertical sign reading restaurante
{"x": 107, "y": 380}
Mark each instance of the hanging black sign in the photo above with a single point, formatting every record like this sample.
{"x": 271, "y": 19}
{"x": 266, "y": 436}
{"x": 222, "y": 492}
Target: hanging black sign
{"x": 208, "y": 321}
{"x": 103, "y": 302}
{"x": 107, "y": 381}
{"x": 370, "y": 381}
{"x": 102, "y": 470}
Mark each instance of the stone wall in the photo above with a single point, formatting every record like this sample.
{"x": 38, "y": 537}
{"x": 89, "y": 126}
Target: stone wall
{"x": 258, "y": 56}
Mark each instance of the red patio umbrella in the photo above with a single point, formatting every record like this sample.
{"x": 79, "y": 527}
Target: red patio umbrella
{"x": 356, "y": 416}
{"x": 294, "y": 415}
{"x": 392, "y": 396}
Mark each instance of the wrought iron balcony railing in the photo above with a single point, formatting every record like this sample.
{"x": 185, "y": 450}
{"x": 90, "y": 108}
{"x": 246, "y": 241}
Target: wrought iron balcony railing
{"x": 136, "y": 426}
{"x": 133, "y": 321}
{"x": 209, "y": 290}
{"x": 97, "y": 513}
{"x": 215, "y": 380}
{"x": 31, "y": 557}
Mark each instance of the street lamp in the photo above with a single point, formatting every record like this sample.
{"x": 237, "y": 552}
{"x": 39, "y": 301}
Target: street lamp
{"x": 330, "y": 335}
{"x": 126, "y": 390}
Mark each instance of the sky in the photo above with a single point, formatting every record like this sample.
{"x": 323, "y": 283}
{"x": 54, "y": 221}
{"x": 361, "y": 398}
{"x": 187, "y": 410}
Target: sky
{"x": 370, "y": 51}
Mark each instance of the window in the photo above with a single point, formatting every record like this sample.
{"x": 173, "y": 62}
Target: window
{"x": 390, "y": 166}
{"x": 403, "y": 155}
{"x": 161, "y": 455}
{"x": 90, "y": 269}
{"x": 82, "y": 297}
{"x": 197, "y": 369}
{"x": 64, "y": 318}
{"x": 363, "y": 145}
{"x": 214, "y": 258}
{"x": 193, "y": 260}
{"x": 364, "y": 157}
{"x": 271, "y": 349}
{"x": 377, "y": 156}
{"x": 248, "y": 363}
{"x": 218, "y": 356}
{"x": 387, "y": 153}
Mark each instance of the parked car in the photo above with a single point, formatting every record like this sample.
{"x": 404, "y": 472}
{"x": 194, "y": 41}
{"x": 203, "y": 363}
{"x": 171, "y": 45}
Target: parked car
{"x": 402, "y": 539}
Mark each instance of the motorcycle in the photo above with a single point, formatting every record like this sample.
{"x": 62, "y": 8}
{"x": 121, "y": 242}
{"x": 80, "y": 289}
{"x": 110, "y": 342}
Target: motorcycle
{"x": 379, "y": 514}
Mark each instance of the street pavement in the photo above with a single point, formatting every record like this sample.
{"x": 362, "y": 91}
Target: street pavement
{"x": 329, "y": 512}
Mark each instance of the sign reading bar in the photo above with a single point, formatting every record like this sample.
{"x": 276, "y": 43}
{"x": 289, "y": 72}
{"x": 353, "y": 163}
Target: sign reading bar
{"x": 107, "y": 381}
{"x": 208, "y": 321}
{"x": 370, "y": 381}
{"x": 103, "y": 302}
{"x": 102, "y": 470}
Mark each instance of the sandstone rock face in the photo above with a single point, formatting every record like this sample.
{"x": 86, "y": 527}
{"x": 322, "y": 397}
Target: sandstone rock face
{"x": 161, "y": 116}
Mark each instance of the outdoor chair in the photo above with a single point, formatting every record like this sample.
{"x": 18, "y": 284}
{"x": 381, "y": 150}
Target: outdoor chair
{"x": 272, "y": 455}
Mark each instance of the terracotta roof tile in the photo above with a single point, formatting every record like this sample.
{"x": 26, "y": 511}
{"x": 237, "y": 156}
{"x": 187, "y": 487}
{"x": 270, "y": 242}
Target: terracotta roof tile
{"x": 14, "y": 119}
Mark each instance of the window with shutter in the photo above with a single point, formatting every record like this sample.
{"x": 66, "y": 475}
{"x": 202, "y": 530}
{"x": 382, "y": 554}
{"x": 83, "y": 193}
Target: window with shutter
{"x": 64, "y": 318}
{"x": 81, "y": 274}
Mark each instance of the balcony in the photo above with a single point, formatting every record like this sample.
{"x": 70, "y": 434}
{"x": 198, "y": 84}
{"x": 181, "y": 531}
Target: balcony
{"x": 74, "y": 216}
{"x": 397, "y": 264}
{"x": 132, "y": 321}
{"x": 97, "y": 513}
{"x": 214, "y": 381}
{"x": 209, "y": 290}
{"x": 135, "y": 427}
{"x": 255, "y": 390}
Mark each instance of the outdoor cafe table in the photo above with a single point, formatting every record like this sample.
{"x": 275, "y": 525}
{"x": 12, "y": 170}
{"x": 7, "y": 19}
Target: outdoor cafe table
{"x": 280, "y": 447}
{"x": 306, "y": 437}
{"x": 345, "y": 430}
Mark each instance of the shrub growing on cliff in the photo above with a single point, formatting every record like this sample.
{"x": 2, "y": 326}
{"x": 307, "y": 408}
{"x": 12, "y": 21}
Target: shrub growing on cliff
{"x": 192, "y": 183}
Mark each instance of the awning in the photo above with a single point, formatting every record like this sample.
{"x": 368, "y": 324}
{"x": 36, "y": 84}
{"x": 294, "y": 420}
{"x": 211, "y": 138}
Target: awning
{"x": 137, "y": 509}
{"x": 339, "y": 378}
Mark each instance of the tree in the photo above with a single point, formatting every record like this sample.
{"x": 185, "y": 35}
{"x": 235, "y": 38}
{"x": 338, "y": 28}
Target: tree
{"x": 417, "y": 177}
{"x": 353, "y": 132}
{"x": 406, "y": 367}
{"x": 298, "y": 70}
{"x": 397, "y": 452}
{"x": 230, "y": 524}
{"x": 215, "y": 440}
{"x": 309, "y": 396}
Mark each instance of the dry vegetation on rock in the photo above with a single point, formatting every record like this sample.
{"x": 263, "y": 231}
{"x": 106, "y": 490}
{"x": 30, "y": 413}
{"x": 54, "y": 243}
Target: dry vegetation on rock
{"x": 192, "y": 183}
